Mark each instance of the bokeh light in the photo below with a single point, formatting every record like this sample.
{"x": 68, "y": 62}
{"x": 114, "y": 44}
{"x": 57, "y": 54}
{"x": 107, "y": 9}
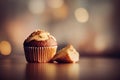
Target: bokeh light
{"x": 60, "y": 13}
{"x": 100, "y": 43}
{"x": 5, "y": 48}
{"x": 81, "y": 15}
{"x": 36, "y": 6}
{"x": 86, "y": 25}
{"x": 55, "y": 3}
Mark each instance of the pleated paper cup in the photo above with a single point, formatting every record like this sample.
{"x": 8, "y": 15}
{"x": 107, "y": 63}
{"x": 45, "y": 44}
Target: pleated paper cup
{"x": 39, "y": 54}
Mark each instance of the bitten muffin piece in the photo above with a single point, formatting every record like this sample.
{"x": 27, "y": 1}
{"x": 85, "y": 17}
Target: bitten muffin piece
{"x": 67, "y": 55}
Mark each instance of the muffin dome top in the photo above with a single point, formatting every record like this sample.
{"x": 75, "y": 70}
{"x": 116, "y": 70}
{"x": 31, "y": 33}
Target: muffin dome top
{"x": 40, "y": 38}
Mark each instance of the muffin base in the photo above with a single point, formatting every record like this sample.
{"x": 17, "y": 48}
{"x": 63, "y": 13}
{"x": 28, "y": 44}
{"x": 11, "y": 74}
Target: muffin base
{"x": 39, "y": 54}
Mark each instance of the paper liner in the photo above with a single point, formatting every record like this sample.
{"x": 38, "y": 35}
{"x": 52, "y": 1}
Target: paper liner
{"x": 39, "y": 54}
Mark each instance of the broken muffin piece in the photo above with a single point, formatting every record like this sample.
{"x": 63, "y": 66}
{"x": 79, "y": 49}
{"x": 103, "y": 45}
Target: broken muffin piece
{"x": 67, "y": 55}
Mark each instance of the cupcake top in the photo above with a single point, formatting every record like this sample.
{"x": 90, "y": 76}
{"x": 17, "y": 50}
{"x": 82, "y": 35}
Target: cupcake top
{"x": 40, "y": 38}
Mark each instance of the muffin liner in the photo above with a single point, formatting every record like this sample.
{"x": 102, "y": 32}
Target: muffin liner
{"x": 39, "y": 54}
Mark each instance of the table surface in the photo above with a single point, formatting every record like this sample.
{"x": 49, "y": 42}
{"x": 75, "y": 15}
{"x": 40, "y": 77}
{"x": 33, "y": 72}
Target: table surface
{"x": 16, "y": 68}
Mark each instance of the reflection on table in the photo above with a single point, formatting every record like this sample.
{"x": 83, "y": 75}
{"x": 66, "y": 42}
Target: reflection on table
{"x": 16, "y": 68}
{"x": 46, "y": 71}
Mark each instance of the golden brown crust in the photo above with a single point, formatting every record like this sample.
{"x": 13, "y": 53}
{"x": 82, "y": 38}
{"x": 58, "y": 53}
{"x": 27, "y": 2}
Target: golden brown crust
{"x": 46, "y": 43}
{"x": 40, "y": 38}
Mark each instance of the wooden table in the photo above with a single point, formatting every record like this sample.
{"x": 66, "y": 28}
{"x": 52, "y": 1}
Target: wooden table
{"x": 16, "y": 68}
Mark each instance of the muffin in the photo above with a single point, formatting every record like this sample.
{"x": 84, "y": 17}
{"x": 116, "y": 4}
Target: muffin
{"x": 67, "y": 54}
{"x": 40, "y": 46}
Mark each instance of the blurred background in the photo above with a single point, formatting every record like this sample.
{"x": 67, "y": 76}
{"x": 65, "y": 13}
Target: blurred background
{"x": 91, "y": 26}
